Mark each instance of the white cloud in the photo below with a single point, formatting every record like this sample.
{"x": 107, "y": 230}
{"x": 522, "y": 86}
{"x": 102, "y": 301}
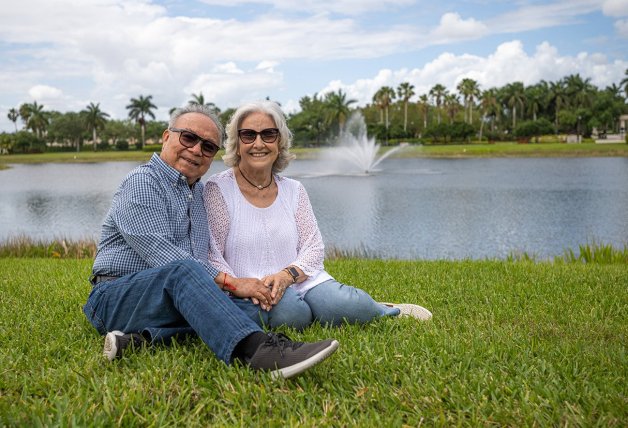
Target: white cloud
{"x": 112, "y": 50}
{"x": 230, "y": 86}
{"x": 615, "y": 8}
{"x": 452, "y": 27}
{"x": 45, "y": 93}
{"x": 507, "y": 64}
{"x": 227, "y": 68}
{"x": 534, "y": 16}
{"x": 267, "y": 65}
{"x": 346, "y": 7}
{"x": 621, "y": 26}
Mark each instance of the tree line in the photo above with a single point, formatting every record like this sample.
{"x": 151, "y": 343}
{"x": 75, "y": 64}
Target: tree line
{"x": 570, "y": 105}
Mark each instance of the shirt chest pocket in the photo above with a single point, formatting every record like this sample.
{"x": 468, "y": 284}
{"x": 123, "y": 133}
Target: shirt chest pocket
{"x": 182, "y": 221}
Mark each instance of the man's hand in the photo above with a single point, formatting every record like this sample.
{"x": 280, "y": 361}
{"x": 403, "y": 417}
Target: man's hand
{"x": 247, "y": 288}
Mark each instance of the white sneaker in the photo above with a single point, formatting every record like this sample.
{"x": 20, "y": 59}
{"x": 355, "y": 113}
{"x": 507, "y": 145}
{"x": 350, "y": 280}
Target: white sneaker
{"x": 410, "y": 310}
{"x": 116, "y": 342}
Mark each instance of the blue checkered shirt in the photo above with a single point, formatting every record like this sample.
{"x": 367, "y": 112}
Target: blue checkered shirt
{"x": 155, "y": 218}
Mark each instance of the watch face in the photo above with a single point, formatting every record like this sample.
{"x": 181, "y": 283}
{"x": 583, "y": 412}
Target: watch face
{"x": 294, "y": 272}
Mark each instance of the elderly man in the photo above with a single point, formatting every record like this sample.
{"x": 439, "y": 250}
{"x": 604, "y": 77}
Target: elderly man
{"x": 151, "y": 278}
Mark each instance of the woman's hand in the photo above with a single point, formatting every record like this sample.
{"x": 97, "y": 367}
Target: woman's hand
{"x": 277, "y": 283}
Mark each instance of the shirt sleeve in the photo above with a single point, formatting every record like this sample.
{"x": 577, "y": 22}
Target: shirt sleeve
{"x": 310, "y": 249}
{"x": 219, "y": 226}
{"x": 141, "y": 213}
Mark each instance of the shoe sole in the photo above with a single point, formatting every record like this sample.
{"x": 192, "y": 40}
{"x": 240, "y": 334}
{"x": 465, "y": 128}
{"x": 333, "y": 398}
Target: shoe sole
{"x": 410, "y": 310}
{"x": 295, "y": 369}
{"x": 110, "y": 350}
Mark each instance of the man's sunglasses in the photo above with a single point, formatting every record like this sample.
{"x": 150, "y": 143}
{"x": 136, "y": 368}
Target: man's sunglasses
{"x": 189, "y": 139}
{"x": 248, "y": 136}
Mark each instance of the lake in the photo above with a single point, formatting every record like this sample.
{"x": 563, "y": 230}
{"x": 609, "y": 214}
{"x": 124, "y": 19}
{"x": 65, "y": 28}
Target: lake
{"x": 411, "y": 208}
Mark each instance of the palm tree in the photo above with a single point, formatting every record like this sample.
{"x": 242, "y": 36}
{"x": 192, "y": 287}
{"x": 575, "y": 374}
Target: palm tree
{"x": 424, "y": 105}
{"x": 470, "y": 91}
{"x": 38, "y": 119}
{"x": 624, "y": 82}
{"x": 579, "y": 90}
{"x": 535, "y": 98}
{"x": 452, "y": 105}
{"x": 405, "y": 91}
{"x": 13, "y": 116}
{"x": 556, "y": 98}
{"x": 614, "y": 90}
{"x": 197, "y": 99}
{"x": 200, "y": 99}
{"x": 139, "y": 108}
{"x": 385, "y": 95}
{"x": 490, "y": 107}
{"x": 25, "y": 113}
{"x": 438, "y": 92}
{"x": 337, "y": 107}
{"x": 377, "y": 103}
{"x": 94, "y": 119}
{"x": 514, "y": 96}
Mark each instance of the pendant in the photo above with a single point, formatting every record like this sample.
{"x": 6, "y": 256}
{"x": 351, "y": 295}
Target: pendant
{"x": 259, "y": 187}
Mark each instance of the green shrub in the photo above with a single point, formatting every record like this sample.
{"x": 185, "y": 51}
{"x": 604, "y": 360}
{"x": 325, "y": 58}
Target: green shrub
{"x": 152, "y": 148}
{"x": 122, "y": 145}
{"x": 533, "y": 128}
{"x": 27, "y": 142}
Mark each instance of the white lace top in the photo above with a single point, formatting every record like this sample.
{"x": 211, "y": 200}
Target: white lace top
{"x": 251, "y": 242}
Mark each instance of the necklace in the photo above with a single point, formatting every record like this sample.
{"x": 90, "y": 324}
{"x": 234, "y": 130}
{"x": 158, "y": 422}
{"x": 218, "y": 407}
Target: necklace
{"x": 259, "y": 186}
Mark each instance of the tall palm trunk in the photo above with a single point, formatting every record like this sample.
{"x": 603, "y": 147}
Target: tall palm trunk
{"x": 405, "y": 116}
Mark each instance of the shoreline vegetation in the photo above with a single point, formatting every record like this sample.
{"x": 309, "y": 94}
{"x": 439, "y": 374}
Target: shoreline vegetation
{"x": 458, "y": 151}
{"x": 62, "y": 248}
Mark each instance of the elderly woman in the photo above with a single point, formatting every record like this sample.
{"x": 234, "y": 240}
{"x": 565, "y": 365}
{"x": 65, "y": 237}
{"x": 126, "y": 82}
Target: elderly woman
{"x": 262, "y": 226}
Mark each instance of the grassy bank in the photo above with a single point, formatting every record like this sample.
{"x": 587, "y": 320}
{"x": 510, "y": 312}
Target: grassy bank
{"x": 511, "y": 343}
{"x": 73, "y": 157}
{"x": 517, "y": 150}
{"x": 445, "y": 151}
{"x": 61, "y": 248}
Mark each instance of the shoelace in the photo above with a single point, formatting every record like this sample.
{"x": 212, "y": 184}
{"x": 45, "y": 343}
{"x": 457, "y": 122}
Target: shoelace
{"x": 282, "y": 341}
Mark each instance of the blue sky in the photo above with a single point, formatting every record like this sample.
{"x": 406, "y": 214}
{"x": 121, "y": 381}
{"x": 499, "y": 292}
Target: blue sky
{"x": 65, "y": 54}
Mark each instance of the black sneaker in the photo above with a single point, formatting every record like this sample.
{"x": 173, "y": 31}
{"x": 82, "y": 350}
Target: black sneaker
{"x": 116, "y": 342}
{"x": 286, "y": 358}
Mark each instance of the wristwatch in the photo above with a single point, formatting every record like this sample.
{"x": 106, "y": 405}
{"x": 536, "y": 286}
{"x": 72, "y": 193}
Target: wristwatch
{"x": 294, "y": 273}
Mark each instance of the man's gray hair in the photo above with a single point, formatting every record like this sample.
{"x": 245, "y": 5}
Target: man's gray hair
{"x": 202, "y": 109}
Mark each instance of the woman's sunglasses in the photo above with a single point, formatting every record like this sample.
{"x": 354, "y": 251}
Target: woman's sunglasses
{"x": 248, "y": 136}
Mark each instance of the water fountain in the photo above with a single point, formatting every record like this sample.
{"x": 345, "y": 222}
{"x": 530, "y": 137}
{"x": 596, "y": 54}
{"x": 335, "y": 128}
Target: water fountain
{"x": 356, "y": 153}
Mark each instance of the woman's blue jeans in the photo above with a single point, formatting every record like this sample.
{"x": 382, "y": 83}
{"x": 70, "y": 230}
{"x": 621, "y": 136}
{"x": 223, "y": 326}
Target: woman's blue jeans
{"x": 330, "y": 303}
{"x": 176, "y": 299}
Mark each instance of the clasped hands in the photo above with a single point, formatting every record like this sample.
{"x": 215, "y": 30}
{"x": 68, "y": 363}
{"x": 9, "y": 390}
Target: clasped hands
{"x": 265, "y": 292}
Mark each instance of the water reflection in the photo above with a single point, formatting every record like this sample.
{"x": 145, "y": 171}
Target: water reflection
{"x": 412, "y": 208}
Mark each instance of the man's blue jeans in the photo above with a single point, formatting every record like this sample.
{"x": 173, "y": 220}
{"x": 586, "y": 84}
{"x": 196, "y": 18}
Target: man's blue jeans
{"x": 330, "y": 303}
{"x": 176, "y": 299}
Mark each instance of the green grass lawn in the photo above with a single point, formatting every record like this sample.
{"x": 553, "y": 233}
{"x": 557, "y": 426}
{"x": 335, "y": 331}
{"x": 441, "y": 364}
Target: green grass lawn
{"x": 511, "y": 344}
{"x": 517, "y": 150}
{"x": 444, "y": 151}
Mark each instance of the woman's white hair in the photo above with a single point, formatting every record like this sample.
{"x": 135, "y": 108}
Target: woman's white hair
{"x": 272, "y": 109}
